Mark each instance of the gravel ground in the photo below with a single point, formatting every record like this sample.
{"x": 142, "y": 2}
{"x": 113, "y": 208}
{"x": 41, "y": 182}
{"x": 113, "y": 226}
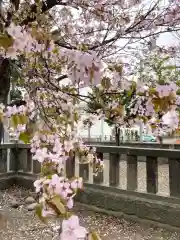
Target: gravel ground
{"x": 23, "y": 224}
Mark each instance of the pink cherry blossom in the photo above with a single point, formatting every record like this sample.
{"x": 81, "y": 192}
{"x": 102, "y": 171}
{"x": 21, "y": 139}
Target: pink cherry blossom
{"x": 68, "y": 146}
{"x": 70, "y": 203}
{"x": 77, "y": 183}
{"x": 71, "y": 230}
{"x": 55, "y": 179}
{"x": 47, "y": 213}
{"x": 40, "y": 155}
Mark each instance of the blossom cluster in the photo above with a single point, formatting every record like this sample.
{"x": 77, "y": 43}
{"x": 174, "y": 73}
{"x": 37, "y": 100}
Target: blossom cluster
{"x": 83, "y": 67}
{"x": 153, "y": 103}
{"x": 56, "y": 186}
{"x": 56, "y": 192}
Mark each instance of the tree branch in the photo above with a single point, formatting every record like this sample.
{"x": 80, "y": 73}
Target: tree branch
{"x": 62, "y": 77}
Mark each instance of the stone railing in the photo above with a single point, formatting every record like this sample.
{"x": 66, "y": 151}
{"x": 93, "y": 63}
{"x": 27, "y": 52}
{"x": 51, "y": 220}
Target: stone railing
{"x": 140, "y": 190}
{"x": 16, "y": 163}
{"x": 137, "y": 144}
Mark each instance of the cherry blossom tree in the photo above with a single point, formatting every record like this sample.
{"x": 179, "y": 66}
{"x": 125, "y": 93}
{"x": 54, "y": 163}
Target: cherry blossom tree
{"x": 160, "y": 70}
{"x": 63, "y": 46}
{"x": 111, "y": 102}
{"x": 155, "y": 76}
{"x": 107, "y": 27}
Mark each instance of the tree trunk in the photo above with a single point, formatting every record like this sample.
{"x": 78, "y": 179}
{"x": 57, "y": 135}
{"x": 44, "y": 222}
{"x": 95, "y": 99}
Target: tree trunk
{"x": 4, "y": 87}
{"x": 4, "y": 80}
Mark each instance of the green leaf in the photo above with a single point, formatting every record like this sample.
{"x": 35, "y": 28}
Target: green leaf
{"x": 5, "y": 41}
{"x": 152, "y": 90}
{"x": 24, "y": 136}
{"x": 39, "y": 214}
{"x": 93, "y": 236}
{"x": 106, "y": 82}
{"x": 178, "y": 83}
{"x": 170, "y": 67}
{"x": 15, "y": 120}
{"x": 129, "y": 93}
{"x": 23, "y": 119}
{"x": 178, "y": 92}
{"x": 56, "y": 201}
{"x": 83, "y": 47}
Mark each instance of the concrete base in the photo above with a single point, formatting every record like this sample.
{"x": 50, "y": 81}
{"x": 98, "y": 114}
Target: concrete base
{"x": 132, "y": 207}
{"x": 7, "y": 180}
